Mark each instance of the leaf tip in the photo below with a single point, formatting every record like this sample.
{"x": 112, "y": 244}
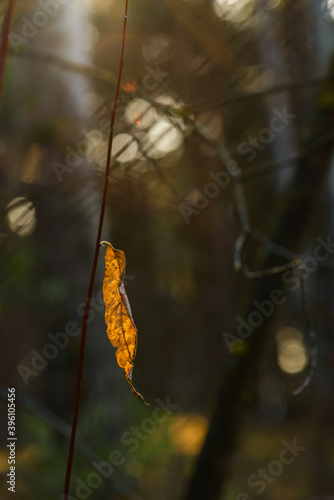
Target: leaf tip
{"x": 105, "y": 243}
{"x": 129, "y": 379}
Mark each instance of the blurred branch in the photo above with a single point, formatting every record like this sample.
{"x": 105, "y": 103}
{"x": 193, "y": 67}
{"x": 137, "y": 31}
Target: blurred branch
{"x": 246, "y": 230}
{"x": 94, "y": 72}
{"x": 247, "y": 233}
{"x": 5, "y": 42}
{"x": 239, "y": 264}
{"x": 273, "y": 247}
{"x": 197, "y": 27}
{"x": 309, "y": 150}
{"x": 310, "y": 336}
{"x": 253, "y": 172}
{"x": 219, "y": 102}
{"x": 161, "y": 173}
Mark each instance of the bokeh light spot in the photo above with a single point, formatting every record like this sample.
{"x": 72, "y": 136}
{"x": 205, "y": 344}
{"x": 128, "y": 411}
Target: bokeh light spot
{"x": 140, "y": 112}
{"x": 129, "y": 84}
{"x": 232, "y": 10}
{"x": 187, "y": 432}
{"x": 124, "y": 148}
{"x": 292, "y": 355}
{"x": 21, "y": 216}
{"x": 157, "y": 48}
{"x": 328, "y": 9}
{"x": 164, "y": 138}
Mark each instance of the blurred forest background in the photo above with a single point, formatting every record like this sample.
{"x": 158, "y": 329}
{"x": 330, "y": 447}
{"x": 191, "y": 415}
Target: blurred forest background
{"x": 224, "y": 128}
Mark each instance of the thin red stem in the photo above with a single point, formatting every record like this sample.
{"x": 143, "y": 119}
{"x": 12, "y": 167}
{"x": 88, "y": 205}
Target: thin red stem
{"x": 94, "y": 266}
{"x": 4, "y": 42}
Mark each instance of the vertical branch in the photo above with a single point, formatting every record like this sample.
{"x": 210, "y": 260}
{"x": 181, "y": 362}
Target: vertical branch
{"x": 310, "y": 336}
{"x": 241, "y": 206}
{"x": 94, "y": 266}
{"x": 4, "y": 42}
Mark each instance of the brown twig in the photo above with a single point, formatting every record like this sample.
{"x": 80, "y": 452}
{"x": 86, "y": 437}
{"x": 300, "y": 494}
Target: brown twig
{"x": 239, "y": 264}
{"x": 4, "y": 42}
{"x": 94, "y": 267}
{"x": 273, "y": 247}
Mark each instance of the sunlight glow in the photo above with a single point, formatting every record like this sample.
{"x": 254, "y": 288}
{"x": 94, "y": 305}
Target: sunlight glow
{"x": 176, "y": 107}
{"x": 328, "y": 9}
{"x": 130, "y": 84}
{"x": 292, "y": 355}
{"x": 164, "y": 138}
{"x": 91, "y": 102}
{"x": 141, "y": 113}
{"x": 97, "y": 148}
{"x": 162, "y": 125}
{"x": 21, "y": 216}
{"x": 272, "y": 4}
{"x": 233, "y": 10}
{"x": 101, "y": 6}
{"x": 124, "y": 148}
{"x": 188, "y": 432}
{"x": 92, "y": 37}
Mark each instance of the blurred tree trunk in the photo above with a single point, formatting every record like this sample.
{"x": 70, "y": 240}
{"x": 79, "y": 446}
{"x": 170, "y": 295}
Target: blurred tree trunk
{"x": 213, "y": 466}
{"x": 238, "y": 391}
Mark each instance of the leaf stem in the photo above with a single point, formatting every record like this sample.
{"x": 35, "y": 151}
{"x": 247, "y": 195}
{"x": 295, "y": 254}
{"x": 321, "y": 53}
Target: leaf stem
{"x": 4, "y": 42}
{"x": 94, "y": 267}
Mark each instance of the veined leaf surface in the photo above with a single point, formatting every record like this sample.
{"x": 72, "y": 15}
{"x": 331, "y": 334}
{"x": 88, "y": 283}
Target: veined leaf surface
{"x": 121, "y": 329}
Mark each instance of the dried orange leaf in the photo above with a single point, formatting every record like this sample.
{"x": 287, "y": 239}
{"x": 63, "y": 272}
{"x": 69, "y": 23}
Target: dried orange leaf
{"x": 121, "y": 329}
